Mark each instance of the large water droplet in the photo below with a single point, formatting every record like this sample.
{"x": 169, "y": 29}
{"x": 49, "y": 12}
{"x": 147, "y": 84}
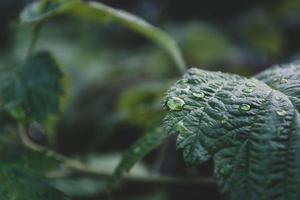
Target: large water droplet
{"x": 175, "y": 104}
{"x": 250, "y": 84}
{"x": 281, "y": 113}
{"x": 245, "y": 107}
{"x": 198, "y": 95}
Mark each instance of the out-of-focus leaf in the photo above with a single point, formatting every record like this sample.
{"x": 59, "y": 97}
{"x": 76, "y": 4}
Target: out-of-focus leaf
{"x": 141, "y": 104}
{"x": 137, "y": 151}
{"x": 22, "y": 170}
{"x": 18, "y": 184}
{"x": 43, "y": 80}
{"x": 33, "y": 90}
{"x": 40, "y": 11}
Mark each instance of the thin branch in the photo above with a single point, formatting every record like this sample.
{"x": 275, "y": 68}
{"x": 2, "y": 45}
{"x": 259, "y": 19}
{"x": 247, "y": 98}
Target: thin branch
{"x": 77, "y": 167}
{"x": 35, "y": 36}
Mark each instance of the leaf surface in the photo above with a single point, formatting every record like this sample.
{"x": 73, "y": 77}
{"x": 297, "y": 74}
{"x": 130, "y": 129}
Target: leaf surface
{"x": 249, "y": 129}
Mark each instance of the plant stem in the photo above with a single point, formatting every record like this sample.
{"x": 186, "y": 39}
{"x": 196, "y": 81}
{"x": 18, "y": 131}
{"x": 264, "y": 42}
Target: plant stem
{"x": 78, "y": 167}
{"x": 35, "y": 35}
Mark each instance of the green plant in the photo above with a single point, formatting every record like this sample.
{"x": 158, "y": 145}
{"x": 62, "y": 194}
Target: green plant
{"x": 32, "y": 92}
{"x": 249, "y": 127}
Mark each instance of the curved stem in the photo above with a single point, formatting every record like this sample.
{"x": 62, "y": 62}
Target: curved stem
{"x": 35, "y": 35}
{"x": 78, "y": 167}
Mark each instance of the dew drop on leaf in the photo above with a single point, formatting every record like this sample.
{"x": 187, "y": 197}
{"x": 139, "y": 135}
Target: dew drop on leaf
{"x": 175, "y": 104}
{"x": 245, "y": 107}
{"x": 198, "y": 95}
{"x": 280, "y": 130}
{"x": 250, "y": 84}
{"x": 281, "y": 113}
{"x": 181, "y": 128}
{"x": 224, "y": 120}
{"x": 277, "y": 98}
{"x": 283, "y": 80}
{"x": 248, "y": 90}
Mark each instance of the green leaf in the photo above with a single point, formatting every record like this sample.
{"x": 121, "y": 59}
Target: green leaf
{"x": 286, "y": 79}
{"x": 33, "y": 90}
{"x": 250, "y": 130}
{"x": 137, "y": 151}
{"x": 43, "y": 80}
{"x": 21, "y": 172}
{"x": 41, "y": 11}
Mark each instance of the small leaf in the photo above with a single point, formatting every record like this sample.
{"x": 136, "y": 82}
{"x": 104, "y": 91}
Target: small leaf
{"x": 137, "y": 151}
{"x": 43, "y": 81}
{"x": 41, "y": 11}
{"x": 253, "y": 136}
{"x": 33, "y": 90}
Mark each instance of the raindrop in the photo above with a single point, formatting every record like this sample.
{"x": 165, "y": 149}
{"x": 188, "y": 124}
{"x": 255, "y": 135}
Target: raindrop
{"x": 278, "y": 98}
{"x": 248, "y": 90}
{"x": 280, "y": 130}
{"x": 175, "y": 104}
{"x": 181, "y": 128}
{"x": 224, "y": 120}
{"x": 198, "y": 95}
{"x": 185, "y": 89}
{"x": 245, "y": 107}
{"x": 250, "y": 84}
{"x": 283, "y": 80}
{"x": 281, "y": 113}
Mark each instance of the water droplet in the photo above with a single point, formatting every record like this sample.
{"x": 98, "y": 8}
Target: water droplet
{"x": 278, "y": 98}
{"x": 245, "y": 107}
{"x": 280, "y": 130}
{"x": 185, "y": 89}
{"x": 281, "y": 113}
{"x": 198, "y": 95}
{"x": 181, "y": 128}
{"x": 224, "y": 120}
{"x": 175, "y": 104}
{"x": 137, "y": 150}
{"x": 283, "y": 80}
{"x": 248, "y": 90}
{"x": 250, "y": 84}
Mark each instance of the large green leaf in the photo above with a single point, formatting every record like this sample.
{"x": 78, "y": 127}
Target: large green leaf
{"x": 43, "y": 10}
{"x": 250, "y": 130}
{"x": 33, "y": 90}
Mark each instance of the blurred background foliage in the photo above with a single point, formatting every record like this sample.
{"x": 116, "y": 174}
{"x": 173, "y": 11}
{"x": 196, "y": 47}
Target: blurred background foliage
{"x": 116, "y": 79}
